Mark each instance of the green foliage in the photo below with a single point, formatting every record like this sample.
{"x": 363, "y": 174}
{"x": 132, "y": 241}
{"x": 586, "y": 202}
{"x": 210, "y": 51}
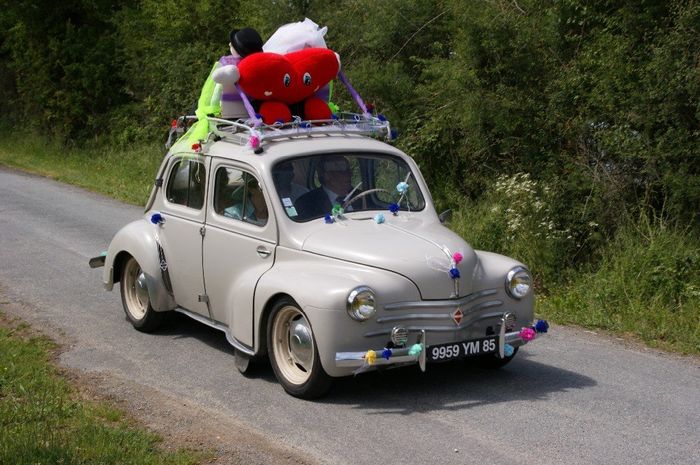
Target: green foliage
{"x": 41, "y": 422}
{"x": 647, "y": 285}
{"x": 514, "y": 218}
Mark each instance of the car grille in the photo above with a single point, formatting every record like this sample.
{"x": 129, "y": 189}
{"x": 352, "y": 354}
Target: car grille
{"x": 438, "y": 315}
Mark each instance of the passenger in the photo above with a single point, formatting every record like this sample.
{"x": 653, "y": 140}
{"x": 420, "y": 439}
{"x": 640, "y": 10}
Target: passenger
{"x": 252, "y": 208}
{"x": 283, "y": 175}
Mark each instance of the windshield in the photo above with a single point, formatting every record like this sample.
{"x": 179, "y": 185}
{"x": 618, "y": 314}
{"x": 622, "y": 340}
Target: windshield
{"x": 310, "y": 187}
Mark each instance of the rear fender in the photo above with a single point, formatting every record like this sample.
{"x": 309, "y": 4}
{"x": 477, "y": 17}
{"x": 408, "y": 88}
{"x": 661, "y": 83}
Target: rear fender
{"x": 139, "y": 239}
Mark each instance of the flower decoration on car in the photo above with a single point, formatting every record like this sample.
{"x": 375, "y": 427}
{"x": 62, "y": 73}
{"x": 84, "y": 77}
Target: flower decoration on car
{"x": 508, "y": 350}
{"x": 527, "y": 334}
{"x": 541, "y": 326}
{"x": 394, "y": 208}
{"x": 415, "y": 350}
{"x": 157, "y": 218}
{"x": 254, "y": 140}
{"x": 337, "y": 210}
{"x": 379, "y": 218}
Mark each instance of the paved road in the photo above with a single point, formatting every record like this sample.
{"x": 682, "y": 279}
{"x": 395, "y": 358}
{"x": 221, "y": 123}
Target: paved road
{"x": 570, "y": 398}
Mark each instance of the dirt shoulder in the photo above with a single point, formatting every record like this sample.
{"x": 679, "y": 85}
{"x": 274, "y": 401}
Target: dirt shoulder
{"x": 180, "y": 423}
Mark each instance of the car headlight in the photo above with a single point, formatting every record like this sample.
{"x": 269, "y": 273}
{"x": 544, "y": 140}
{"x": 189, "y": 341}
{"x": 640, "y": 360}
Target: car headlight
{"x": 518, "y": 282}
{"x": 360, "y": 303}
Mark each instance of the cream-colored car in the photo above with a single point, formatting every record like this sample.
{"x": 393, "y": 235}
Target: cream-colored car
{"x": 319, "y": 248}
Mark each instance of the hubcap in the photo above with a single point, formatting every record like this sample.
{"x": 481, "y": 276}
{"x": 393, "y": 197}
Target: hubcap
{"x": 140, "y": 287}
{"x": 293, "y": 345}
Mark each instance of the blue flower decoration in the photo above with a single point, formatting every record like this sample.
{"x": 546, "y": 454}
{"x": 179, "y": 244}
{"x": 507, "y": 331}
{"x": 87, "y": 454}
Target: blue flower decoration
{"x": 328, "y": 219}
{"x": 402, "y": 187}
{"x": 394, "y": 134}
{"x": 381, "y": 117}
{"x": 379, "y": 218}
{"x": 394, "y": 208}
{"x": 541, "y": 326}
{"x": 157, "y": 218}
{"x": 508, "y": 350}
{"x": 386, "y": 353}
{"x": 454, "y": 273}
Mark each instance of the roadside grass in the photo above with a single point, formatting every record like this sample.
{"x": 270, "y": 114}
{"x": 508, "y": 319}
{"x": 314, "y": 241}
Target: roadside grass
{"x": 647, "y": 286}
{"x": 42, "y": 421}
{"x": 125, "y": 174}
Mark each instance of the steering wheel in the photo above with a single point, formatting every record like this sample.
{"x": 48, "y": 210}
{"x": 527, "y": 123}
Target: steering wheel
{"x": 362, "y": 194}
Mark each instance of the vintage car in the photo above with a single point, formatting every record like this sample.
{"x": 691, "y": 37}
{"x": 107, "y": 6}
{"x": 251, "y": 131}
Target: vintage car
{"x": 319, "y": 248}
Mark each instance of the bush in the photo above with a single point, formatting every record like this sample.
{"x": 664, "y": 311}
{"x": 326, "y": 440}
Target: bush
{"x": 515, "y": 217}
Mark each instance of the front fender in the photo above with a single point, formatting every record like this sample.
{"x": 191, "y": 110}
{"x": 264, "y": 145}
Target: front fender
{"x": 320, "y": 285}
{"x": 139, "y": 240}
{"x": 490, "y": 273}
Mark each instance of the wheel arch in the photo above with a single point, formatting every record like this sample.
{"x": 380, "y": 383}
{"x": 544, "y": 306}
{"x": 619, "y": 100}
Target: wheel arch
{"x": 139, "y": 240}
{"x": 261, "y": 329}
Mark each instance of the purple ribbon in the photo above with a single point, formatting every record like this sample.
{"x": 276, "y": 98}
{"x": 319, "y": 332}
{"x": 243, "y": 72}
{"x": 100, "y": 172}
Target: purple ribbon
{"x": 229, "y": 60}
{"x": 248, "y": 106}
{"x": 230, "y": 97}
{"x": 354, "y": 94}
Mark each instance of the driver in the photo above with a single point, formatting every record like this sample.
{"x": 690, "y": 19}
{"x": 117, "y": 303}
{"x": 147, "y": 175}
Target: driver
{"x": 335, "y": 175}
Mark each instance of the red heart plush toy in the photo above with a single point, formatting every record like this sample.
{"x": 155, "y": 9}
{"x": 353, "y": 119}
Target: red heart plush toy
{"x": 316, "y": 67}
{"x": 282, "y": 80}
{"x": 272, "y": 79}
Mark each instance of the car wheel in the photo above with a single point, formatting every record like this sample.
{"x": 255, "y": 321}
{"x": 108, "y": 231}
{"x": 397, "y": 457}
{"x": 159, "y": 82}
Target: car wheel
{"x": 493, "y": 361}
{"x": 293, "y": 352}
{"x": 135, "y": 301}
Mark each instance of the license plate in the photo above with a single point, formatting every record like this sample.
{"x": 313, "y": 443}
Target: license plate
{"x": 454, "y": 350}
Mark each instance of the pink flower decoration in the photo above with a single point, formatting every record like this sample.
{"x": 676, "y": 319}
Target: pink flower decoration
{"x": 457, "y": 257}
{"x": 254, "y": 142}
{"x": 527, "y": 334}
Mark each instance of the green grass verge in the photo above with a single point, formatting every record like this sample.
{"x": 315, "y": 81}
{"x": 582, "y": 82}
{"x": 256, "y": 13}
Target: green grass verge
{"x": 647, "y": 285}
{"x": 42, "y": 422}
{"x": 126, "y": 174}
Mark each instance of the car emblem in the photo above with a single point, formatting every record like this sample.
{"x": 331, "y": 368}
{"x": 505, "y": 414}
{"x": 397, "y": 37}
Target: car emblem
{"x": 457, "y": 316}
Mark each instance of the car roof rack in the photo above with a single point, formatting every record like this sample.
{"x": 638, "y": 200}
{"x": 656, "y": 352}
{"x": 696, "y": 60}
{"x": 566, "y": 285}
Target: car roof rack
{"x": 247, "y": 133}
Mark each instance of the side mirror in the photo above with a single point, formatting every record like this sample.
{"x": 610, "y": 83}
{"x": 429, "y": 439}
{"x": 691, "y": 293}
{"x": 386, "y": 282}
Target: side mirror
{"x": 445, "y": 216}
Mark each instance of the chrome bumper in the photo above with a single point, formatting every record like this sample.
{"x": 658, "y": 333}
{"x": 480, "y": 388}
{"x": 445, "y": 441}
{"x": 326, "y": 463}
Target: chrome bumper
{"x": 403, "y": 356}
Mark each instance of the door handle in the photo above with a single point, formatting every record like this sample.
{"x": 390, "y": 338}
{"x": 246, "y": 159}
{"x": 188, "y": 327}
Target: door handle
{"x": 263, "y": 252}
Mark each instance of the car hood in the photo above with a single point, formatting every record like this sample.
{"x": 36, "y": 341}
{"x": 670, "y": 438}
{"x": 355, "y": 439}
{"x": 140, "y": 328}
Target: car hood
{"x": 418, "y": 250}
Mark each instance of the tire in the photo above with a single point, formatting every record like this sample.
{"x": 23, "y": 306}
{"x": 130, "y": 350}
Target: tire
{"x": 135, "y": 301}
{"x": 245, "y": 364}
{"x": 293, "y": 352}
{"x": 493, "y": 361}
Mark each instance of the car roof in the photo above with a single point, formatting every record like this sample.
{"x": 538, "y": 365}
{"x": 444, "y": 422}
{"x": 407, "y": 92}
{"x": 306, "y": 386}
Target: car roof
{"x": 274, "y": 151}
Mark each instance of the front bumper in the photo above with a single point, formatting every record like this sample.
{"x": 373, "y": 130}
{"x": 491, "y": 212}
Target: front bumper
{"x": 417, "y": 353}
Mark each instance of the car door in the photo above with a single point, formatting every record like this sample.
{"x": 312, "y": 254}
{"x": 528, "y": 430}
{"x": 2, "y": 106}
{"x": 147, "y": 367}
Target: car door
{"x": 180, "y": 235}
{"x": 239, "y": 245}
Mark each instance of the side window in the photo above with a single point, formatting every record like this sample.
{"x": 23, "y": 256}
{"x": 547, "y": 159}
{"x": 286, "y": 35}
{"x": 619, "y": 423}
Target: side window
{"x": 238, "y": 195}
{"x": 186, "y": 184}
